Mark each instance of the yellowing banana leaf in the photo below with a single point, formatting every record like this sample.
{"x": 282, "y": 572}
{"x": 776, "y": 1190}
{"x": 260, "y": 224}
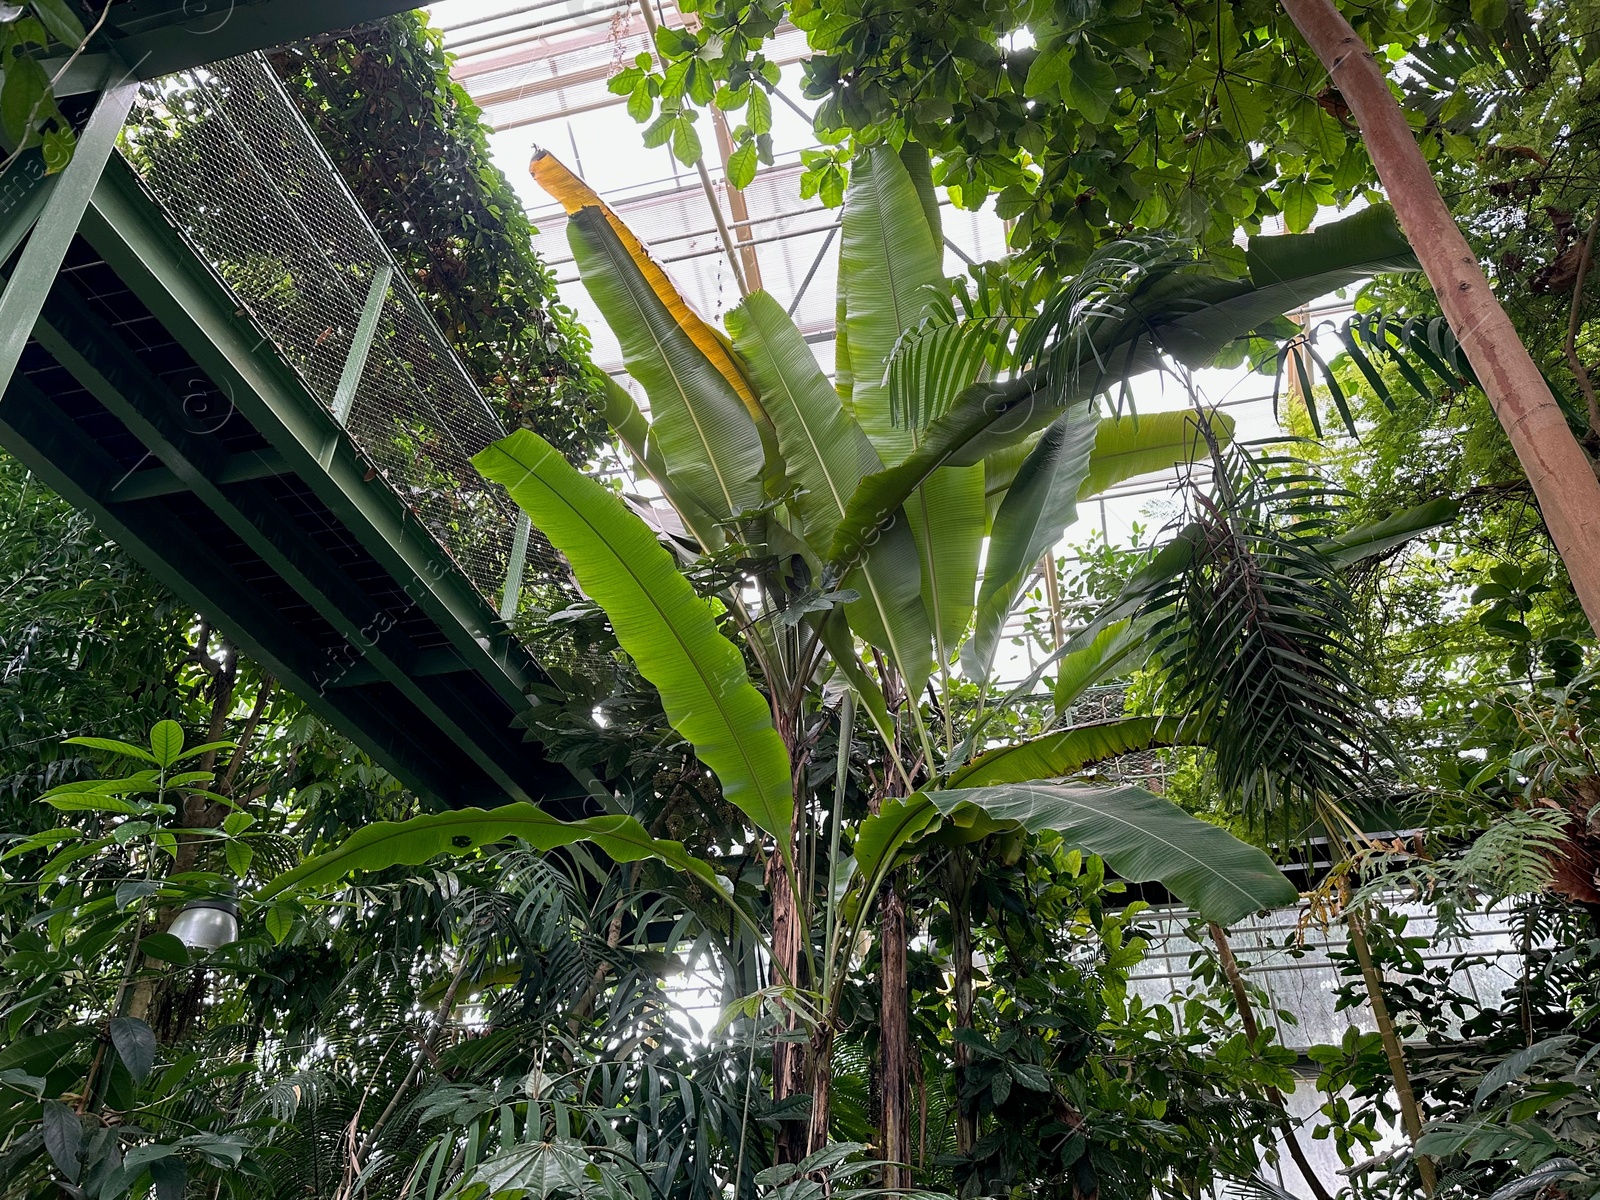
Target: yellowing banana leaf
{"x": 659, "y": 621}
{"x": 410, "y": 843}
{"x": 573, "y": 194}
{"x": 708, "y": 441}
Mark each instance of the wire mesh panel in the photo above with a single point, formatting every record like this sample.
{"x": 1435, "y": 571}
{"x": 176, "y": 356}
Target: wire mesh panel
{"x": 242, "y": 176}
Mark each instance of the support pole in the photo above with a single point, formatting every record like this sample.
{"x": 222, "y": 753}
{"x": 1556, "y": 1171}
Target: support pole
{"x": 24, "y": 295}
{"x": 361, "y": 344}
{"x": 515, "y": 568}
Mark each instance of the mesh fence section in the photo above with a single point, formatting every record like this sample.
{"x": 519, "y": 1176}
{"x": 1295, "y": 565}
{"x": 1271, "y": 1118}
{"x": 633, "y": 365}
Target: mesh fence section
{"x": 244, "y": 179}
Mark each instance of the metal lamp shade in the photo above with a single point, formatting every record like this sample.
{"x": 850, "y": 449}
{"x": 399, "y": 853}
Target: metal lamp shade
{"x": 206, "y": 924}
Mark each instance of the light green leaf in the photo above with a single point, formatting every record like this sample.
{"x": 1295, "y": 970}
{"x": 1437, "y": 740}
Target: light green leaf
{"x": 112, "y": 746}
{"x": 166, "y": 742}
{"x": 1126, "y": 447}
{"x": 1040, "y": 503}
{"x": 61, "y": 21}
{"x": 659, "y": 621}
{"x": 385, "y": 844}
{"x": 1299, "y": 206}
{"x": 1143, "y": 838}
{"x": 881, "y": 836}
{"x": 238, "y": 855}
{"x": 1366, "y": 541}
{"x": 1119, "y": 643}
{"x": 1070, "y": 750}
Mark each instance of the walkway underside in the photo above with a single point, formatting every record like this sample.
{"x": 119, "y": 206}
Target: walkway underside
{"x": 147, "y": 399}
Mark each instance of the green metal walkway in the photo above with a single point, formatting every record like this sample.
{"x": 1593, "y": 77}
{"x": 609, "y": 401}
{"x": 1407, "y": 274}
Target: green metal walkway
{"x": 205, "y": 346}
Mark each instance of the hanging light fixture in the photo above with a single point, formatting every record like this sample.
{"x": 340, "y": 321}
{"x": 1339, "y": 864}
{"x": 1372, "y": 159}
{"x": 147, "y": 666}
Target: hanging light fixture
{"x": 207, "y": 924}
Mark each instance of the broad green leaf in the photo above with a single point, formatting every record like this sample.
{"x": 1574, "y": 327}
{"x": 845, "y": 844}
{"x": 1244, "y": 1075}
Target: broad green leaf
{"x": 1040, "y": 503}
{"x": 166, "y": 742}
{"x": 1091, "y": 83}
{"x": 63, "y": 1138}
{"x": 836, "y": 636}
{"x": 1122, "y": 644}
{"x": 824, "y": 450}
{"x": 948, "y": 519}
{"x": 238, "y": 855}
{"x": 1143, "y": 838}
{"x": 61, "y": 21}
{"x": 24, "y": 89}
{"x": 1519, "y": 1064}
{"x": 629, "y": 424}
{"x": 888, "y": 268}
{"x": 659, "y": 621}
{"x": 165, "y": 947}
{"x": 882, "y": 835}
{"x": 1365, "y": 541}
{"x": 708, "y": 441}
{"x": 136, "y": 1045}
{"x": 1126, "y": 447}
{"x": 1299, "y": 206}
{"x": 112, "y": 746}
{"x": 826, "y": 454}
{"x": 1069, "y": 751}
{"x": 385, "y": 844}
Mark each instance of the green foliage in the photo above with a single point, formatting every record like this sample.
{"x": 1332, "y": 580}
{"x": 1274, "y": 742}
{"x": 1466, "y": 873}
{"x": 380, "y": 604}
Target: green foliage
{"x": 29, "y": 115}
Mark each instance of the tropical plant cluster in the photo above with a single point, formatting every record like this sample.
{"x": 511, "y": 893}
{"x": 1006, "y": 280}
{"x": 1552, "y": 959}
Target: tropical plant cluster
{"x": 897, "y": 809}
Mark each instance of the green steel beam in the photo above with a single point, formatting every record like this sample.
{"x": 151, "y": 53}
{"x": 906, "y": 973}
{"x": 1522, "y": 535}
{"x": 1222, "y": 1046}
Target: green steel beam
{"x": 236, "y": 468}
{"x": 144, "y": 403}
{"x": 134, "y": 238}
{"x": 57, "y": 223}
{"x": 72, "y": 465}
{"x": 24, "y": 192}
{"x": 158, "y": 37}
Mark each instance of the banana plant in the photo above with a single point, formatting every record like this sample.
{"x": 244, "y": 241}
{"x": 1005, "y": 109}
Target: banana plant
{"x": 851, "y": 518}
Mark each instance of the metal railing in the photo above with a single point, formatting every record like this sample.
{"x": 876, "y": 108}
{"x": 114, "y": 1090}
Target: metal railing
{"x": 242, "y": 176}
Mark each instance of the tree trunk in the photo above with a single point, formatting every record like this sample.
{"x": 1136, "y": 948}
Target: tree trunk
{"x": 959, "y": 896}
{"x": 1562, "y": 477}
{"x": 1247, "y": 1017}
{"x": 788, "y": 1056}
{"x": 894, "y": 1020}
{"x": 1410, "y": 1115}
{"x": 821, "y": 1087}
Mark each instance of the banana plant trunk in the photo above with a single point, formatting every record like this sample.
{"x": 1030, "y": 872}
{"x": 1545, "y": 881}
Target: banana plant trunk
{"x": 894, "y": 1020}
{"x": 1563, "y": 479}
{"x": 788, "y": 929}
{"x": 959, "y": 896}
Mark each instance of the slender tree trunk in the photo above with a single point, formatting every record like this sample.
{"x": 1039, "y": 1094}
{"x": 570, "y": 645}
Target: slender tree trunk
{"x": 1247, "y": 1017}
{"x": 1410, "y": 1115}
{"x": 1562, "y": 477}
{"x": 894, "y": 1020}
{"x": 821, "y": 1087}
{"x": 788, "y": 1055}
{"x": 959, "y": 895}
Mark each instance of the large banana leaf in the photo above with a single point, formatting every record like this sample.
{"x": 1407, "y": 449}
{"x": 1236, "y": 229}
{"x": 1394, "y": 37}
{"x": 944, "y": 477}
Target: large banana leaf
{"x": 1041, "y": 502}
{"x": 1188, "y": 313}
{"x": 624, "y": 417}
{"x": 1129, "y": 446}
{"x": 707, "y": 439}
{"x": 658, "y": 620}
{"x": 574, "y": 195}
{"x": 824, "y": 450}
{"x": 826, "y": 454}
{"x": 1120, "y": 646}
{"x": 1142, "y": 837}
{"x": 889, "y": 270}
{"x": 1070, "y": 750}
{"x": 408, "y": 843}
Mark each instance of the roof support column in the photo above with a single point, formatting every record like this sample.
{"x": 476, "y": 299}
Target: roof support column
{"x": 57, "y": 224}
